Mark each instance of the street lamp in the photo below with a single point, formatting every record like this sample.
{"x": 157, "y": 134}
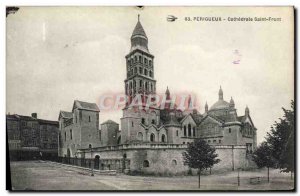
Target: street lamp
{"x": 92, "y": 169}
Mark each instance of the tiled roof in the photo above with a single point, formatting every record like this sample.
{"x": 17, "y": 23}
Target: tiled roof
{"x": 65, "y": 114}
{"x": 86, "y": 106}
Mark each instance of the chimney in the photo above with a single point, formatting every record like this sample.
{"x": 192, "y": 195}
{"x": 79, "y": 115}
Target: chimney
{"x": 34, "y": 115}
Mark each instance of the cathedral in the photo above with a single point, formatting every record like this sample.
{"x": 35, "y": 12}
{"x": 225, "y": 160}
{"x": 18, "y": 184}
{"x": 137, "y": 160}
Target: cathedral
{"x": 151, "y": 140}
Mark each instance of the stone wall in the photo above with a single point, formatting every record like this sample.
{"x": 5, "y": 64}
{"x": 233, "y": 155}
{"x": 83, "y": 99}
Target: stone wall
{"x": 159, "y": 159}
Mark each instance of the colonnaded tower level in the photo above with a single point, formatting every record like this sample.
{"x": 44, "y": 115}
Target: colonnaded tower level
{"x": 139, "y": 66}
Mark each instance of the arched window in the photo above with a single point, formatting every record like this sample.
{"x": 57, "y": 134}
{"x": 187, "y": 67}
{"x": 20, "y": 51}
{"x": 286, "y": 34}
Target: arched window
{"x": 146, "y": 86}
{"x": 189, "y": 130}
{"x": 194, "y": 132}
{"x": 140, "y": 136}
{"x": 184, "y": 130}
{"x": 150, "y": 73}
{"x": 153, "y": 122}
{"x": 174, "y": 162}
{"x": 143, "y": 121}
{"x": 135, "y": 70}
{"x": 163, "y": 138}
{"x": 119, "y": 140}
{"x": 131, "y": 72}
{"x": 146, "y": 163}
{"x": 140, "y": 70}
{"x": 145, "y": 72}
{"x": 140, "y": 59}
{"x": 177, "y": 133}
{"x": 124, "y": 155}
{"x": 152, "y": 137}
{"x": 135, "y": 59}
{"x": 141, "y": 83}
{"x": 90, "y": 145}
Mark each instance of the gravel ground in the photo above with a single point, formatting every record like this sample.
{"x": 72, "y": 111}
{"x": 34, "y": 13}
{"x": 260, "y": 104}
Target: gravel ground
{"x": 37, "y": 175}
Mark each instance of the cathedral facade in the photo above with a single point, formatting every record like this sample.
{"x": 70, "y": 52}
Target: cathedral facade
{"x": 152, "y": 139}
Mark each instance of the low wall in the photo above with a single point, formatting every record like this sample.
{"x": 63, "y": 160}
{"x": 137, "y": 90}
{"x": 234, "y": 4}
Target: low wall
{"x": 166, "y": 159}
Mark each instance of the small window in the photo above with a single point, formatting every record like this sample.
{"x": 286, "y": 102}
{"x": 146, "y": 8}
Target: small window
{"x": 132, "y": 123}
{"x": 184, "y": 130}
{"x": 71, "y": 134}
{"x": 89, "y": 118}
{"x": 65, "y": 136}
{"x": 100, "y": 135}
{"x": 141, "y": 71}
{"x": 208, "y": 141}
{"x": 220, "y": 141}
{"x": 163, "y": 138}
{"x": 229, "y": 130}
{"x": 153, "y": 122}
{"x": 183, "y": 142}
{"x": 177, "y": 133}
{"x": 90, "y": 145}
{"x": 152, "y": 137}
{"x": 214, "y": 141}
{"x": 174, "y": 162}
{"x": 143, "y": 121}
{"x": 146, "y": 163}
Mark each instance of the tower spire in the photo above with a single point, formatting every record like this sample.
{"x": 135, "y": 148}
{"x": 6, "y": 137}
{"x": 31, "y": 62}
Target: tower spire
{"x": 220, "y": 93}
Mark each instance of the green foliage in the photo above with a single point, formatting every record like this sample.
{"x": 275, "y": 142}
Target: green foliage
{"x": 281, "y": 140}
{"x": 200, "y": 155}
{"x": 263, "y": 156}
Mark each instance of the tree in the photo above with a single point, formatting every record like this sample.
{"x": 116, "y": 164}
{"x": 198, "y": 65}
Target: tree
{"x": 281, "y": 140}
{"x": 200, "y": 155}
{"x": 263, "y": 157}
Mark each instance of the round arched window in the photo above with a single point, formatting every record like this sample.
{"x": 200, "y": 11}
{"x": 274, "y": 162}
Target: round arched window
{"x": 152, "y": 137}
{"x": 174, "y": 162}
{"x": 163, "y": 138}
{"x": 146, "y": 163}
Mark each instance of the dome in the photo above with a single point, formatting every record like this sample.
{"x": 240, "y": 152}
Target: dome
{"x": 221, "y": 104}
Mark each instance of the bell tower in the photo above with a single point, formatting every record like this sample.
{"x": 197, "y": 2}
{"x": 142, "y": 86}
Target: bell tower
{"x": 139, "y": 66}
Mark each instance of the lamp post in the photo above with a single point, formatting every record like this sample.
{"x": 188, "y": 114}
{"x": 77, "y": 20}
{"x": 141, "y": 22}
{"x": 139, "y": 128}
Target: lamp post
{"x": 92, "y": 169}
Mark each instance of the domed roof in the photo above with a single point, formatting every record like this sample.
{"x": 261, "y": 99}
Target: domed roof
{"x": 220, "y": 104}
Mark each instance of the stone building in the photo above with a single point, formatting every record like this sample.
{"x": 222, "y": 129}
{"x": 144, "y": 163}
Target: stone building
{"x": 79, "y": 128}
{"x": 152, "y": 140}
{"x": 30, "y": 137}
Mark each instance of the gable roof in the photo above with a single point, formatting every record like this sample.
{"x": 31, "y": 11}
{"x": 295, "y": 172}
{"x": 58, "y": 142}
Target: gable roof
{"x": 85, "y": 106}
{"x": 65, "y": 114}
{"x": 213, "y": 117}
{"x": 242, "y": 119}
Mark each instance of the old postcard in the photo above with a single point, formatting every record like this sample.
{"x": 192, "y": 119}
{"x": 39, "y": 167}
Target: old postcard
{"x": 150, "y": 98}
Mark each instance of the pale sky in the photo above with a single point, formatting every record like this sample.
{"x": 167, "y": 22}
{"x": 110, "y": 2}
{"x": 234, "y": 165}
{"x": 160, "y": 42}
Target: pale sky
{"x": 58, "y": 54}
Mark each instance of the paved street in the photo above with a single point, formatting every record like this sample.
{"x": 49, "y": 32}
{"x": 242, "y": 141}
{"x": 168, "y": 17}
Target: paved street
{"x": 36, "y": 175}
